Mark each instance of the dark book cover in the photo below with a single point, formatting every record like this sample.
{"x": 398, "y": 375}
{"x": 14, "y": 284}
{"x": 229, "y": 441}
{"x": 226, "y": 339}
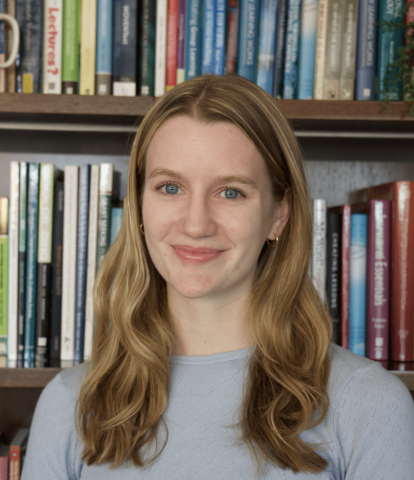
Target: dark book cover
{"x": 279, "y": 48}
{"x": 147, "y": 48}
{"x": 232, "y": 36}
{"x": 333, "y": 273}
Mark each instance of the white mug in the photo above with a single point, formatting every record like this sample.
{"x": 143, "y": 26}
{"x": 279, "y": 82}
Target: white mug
{"x": 16, "y": 38}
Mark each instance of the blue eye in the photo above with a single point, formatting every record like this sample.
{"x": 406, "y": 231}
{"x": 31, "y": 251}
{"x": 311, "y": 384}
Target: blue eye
{"x": 231, "y": 194}
{"x": 171, "y": 189}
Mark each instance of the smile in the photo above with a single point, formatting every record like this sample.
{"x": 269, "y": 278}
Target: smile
{"x": 196, "y": 255}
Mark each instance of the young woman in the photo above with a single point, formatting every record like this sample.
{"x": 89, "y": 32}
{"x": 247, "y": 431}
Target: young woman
{"x": 212, "y": 357}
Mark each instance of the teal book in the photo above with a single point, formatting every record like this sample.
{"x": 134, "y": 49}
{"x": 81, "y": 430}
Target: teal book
{"x": 248, "y": 38}
{"x": 116, "y": 222}
{"x": 193, "y": 38}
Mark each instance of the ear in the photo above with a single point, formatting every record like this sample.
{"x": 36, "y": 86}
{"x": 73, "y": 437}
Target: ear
{"x": 281, "y": 216}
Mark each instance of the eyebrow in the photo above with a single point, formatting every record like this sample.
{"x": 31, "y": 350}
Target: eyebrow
{"x": 228, "y": 179}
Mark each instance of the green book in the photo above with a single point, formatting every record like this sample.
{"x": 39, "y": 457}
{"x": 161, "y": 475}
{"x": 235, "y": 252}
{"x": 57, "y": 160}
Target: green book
{"x": 70, "y": 46}
{"x": 4, "y": 220}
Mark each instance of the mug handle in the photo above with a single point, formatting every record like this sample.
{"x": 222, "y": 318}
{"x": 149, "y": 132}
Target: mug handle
{"x": 16, "y": 39}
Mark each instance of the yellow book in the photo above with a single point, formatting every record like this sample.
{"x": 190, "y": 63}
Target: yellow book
{"x": 88, "y": 47}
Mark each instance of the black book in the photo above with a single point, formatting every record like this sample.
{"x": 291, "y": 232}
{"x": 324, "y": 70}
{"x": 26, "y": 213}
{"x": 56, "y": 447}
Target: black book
{"x": 333, "y": 274}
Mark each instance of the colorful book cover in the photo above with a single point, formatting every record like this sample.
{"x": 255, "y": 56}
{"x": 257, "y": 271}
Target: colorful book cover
{"x": 209, "y": 15}
{"x": 160, "y": 47}
{"x": 366, "y": 50}
{"x": 31, "y": 265}
{"x": 52, "y": 47}
{"x": 290, "y": 80}
{"x": 104, "y": 36}
{"x": 70, "y": 46}
{"x": 29, "y": 15}
{"x": 181, "y": 41}
{"x": 333, "y": 271}
{"x": 87, "y": 47}
{"x": 4, "y": 263}
{"x": 388, "y": 45}
{"x": 232, "y": 35}
{"x": 193, "y": 38}
{"x": 307, "y": 49}
{"x": 358, "y": 283}
{"x": 248, "y": 38}
{"x": 319, "y": 247}
{"x": 105, "y": 206}
{"x": 172, "y": 45}
{"x": 125, "y": 48}
{"x": 267, "y": 43}
{"x": 219, "y": 37}
{"x": 280, "y": 48}
{"x": 44, "y": 264}
{"x": 10, "y": 8}
{"x": 81, "y": 261}
{"x": 116, "y": 222}
{"x": 147, "y": 48}
{"x": 320, "y": 53}
{"x": 348, "y": 54}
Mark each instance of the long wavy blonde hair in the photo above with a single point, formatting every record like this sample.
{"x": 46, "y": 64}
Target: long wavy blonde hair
{"x": 124, "y": 395}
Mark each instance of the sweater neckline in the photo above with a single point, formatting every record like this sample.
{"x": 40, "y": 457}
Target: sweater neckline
{"x": 215, "y": 358}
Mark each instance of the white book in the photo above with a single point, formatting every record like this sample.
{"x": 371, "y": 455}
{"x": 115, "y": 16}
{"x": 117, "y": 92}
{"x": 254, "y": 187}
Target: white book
{"x": 319, "y": 247}
{"x": 160, "y": 47}
{"x": 70, "y": 222}
{"x": 13, "y": 296}
{"x": 52, "y": 47}
{"x": 91, "y": 267}
{"x": 320, "y": 49}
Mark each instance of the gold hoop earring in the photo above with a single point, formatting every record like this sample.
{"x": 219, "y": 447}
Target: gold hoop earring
{"x": 141, "y": 228}
{"x": 272, "y": 245}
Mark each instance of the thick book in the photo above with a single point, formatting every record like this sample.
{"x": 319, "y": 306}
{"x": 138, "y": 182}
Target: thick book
{"x": 279, "y": 48}
{"x": 333, "y": 271}
{"x": 267, "y": 43}
{"x": 401, "y": 194}
{"x": 232, "y": 35}
{"x": 125, "y": 48}
{"x": 4, "y": 262}
{"x": 70, "y": 46}
{"x": 366, "y": 50}
{"x": 57, "y": 257}
{"x": 318, "y": 267}
{"x": 87, "y": 47}
{"x": 208, "y": 36}
{"x": 52, "y": 47}
{"x": 105, "y": 206}
{"x": 4, "y": 461}
{"x": 358, "y": 283}
{"x": 181, "y": 41}
{"x": 348, "y": 50}
{"x": 219, "y": 37}
{"x": 81, "y": 262}
{"x": 31, "y": 265}
{"x": 10, "y": 8}
{"x": 13, "y": 279}
{"x": 70, "y": 232}
{"x": 193, "y": 38}
{"x": 147, "y": 48}
{"x": 104, "y": 36}
{"x": 44, "y": 264}
{"x": 172, "y": 40}
{"x": 116, "y": 222}
{"x": 160, "y": 47}
{"x": 320, "y": 53}
{"x": 248, "y": 38}
{"x": 18, "y": 447}
{"x": 307, "y": 49}
{"x": 290, "y": 80}
{"x": 29, "y": 15}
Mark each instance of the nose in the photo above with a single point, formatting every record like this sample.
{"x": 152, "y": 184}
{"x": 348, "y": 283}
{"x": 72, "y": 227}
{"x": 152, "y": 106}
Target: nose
{"x": 198, "y": 220}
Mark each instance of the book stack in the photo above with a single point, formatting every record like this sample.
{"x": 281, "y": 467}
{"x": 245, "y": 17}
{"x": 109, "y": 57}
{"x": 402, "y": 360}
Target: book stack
{"x": 293, "y": 49}
{"x": 53, "y": 237}
{"x": 12, "y": 455}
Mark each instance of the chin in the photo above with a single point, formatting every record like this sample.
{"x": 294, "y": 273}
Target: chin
{"x": 193, "y": 286}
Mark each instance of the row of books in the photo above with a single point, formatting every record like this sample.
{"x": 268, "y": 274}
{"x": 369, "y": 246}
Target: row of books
{"x": 54, "y": 232}
{"x": 363, "y": 267}
{"x": 321, "y": 49}
{"x": 12, "y": 454}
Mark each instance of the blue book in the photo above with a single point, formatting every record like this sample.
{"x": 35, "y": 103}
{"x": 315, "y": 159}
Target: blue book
{"x": 117, "y": 215}
{"x": 248, "y": 38}
{"x": 2, "y": 36}
{"x": 219, "y": 37}
{"x": 208, "y": 36}
{"x": 307, "y": 49}
{"x": 290, "y": 79}
{"x": 193, "y": 38}
{"x": 279, "y": 48}
{"x": 31, "y": 266}
{"x": 104, "y": 47}
{"x": 267, "y": 43}
{"x": 358, "y": 283}
{"x": 81, "y": 262}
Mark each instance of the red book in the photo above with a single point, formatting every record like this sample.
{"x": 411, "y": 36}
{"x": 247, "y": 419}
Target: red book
{"x": 232, "y": 36}
{"x": 4, "y": 462}
{"x": 401, "y": 195}
{"x": 172, "y": 45}
{"x": 17, "y": 446}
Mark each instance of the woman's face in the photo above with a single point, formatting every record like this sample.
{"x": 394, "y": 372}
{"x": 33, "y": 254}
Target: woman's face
{"x": 207, "y": 207}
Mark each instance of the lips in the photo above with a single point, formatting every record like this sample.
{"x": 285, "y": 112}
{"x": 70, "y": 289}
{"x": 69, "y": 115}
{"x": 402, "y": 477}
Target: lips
{"x": 197, "y": 255}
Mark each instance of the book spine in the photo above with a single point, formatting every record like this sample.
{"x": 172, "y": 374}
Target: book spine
{"x": 160, "y": 47}
{"x": 116, "y": 222}
{"x": 13, "y": 247}
{"x": 290, "y": 80}
{"x": 147, "y": 48}
{"x": 366, "y": 50}
{"x": 181, "y": 41}
{"x": 319, "y": 247}
{"x": 172, "y": 39}
{"x": 70, "y": 214}
{"x": 232, "y": 37}
{"x": 4, "y": 468}
{"x": 219, "y": 37}
{"x": 2, "y": 51}
{"x": 15, "y": 462}
{"x": 208, "y": 36}
{"x": 193, "y": 38}
{"x": 345, "y": 266}
{"x": 378, "y": 273}
{"x": 44, "y": 264}
{"x": 105, "y": 206}
{"x": 280, "y": 48}
{"x": 57, "y": 254}
{"x": 52, "y": 47}
{"x": 28, "y": 71}
{"x": 307, "y": 49}
{"x": 267, "y": 42}
{"x": 333, "y": 274}
{"x": 348, "y": 54}
{"x": 409, "y": 18}
{"x": 70, "y": 46}
{"x": 320, "y": 54}
{"x": 4, "y": 221}
{"x": 104, "y": 35}
{"x": 31, "y": 265}
{"x": 388, "y": 45}
{"x": 11, "y": 71}
{"x": 88, "y": 47}
{"x": 248, "y": 38}
{"x": 358, "y": 283}
{"x": 22, "y": 262}
{"x": 125, "y": 48}
{"x": 91, "y": 260}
